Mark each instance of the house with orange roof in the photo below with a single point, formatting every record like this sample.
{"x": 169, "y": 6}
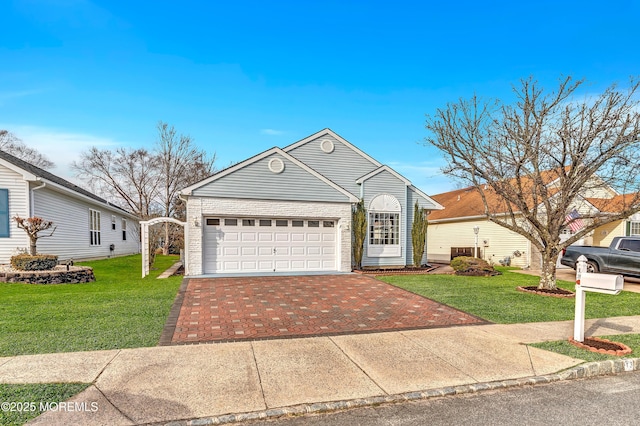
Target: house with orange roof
{"x": 452, "y": 230}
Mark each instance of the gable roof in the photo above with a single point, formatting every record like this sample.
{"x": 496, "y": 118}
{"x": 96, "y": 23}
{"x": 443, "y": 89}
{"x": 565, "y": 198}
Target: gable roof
{"x": 380, "y": 169}
{"x": 33, "y": 173}
{"x": 613, "y": 205}
{"x": 330, "y": 132}
{"x": 275, "y": 150}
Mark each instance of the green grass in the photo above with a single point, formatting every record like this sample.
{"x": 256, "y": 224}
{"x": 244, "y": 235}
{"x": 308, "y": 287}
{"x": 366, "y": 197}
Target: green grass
{"x": 33, "y": 395}
{"x": 565, "y": 348}
{"x": 497, "y": 300}
{"x": 119, "y": 310}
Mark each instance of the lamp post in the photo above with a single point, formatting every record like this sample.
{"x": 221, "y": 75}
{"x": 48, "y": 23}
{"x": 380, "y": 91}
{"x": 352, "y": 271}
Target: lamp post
{"x": 476, "y": 230}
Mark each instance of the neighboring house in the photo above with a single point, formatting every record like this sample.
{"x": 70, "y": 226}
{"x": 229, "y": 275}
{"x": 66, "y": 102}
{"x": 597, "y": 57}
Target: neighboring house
{"x": 86, "y": 226}
{"x": 451, "y": 231}
{"x": 290, "y": 209}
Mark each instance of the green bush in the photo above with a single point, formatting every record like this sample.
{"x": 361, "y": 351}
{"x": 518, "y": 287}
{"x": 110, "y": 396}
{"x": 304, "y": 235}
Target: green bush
{"x": 465, "y": 265}
{"x": 40, "y": 262}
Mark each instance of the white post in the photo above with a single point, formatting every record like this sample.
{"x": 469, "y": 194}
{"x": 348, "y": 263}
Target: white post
{"x": 578, "y": 324}
{"x": 476, "y": 230}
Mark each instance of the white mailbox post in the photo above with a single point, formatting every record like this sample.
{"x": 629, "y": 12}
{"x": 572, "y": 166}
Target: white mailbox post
{"x": 597, "y": 283}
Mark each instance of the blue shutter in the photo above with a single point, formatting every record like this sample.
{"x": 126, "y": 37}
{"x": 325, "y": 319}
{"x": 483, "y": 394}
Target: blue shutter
{"x": 4, "y": 213}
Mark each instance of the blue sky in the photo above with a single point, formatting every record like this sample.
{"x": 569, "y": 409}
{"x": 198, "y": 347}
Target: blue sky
{"x": 244, "y": 76}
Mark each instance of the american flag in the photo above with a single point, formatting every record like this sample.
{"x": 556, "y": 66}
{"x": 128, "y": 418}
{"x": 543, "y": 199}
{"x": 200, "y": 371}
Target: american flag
{"x": 573, "y": 220}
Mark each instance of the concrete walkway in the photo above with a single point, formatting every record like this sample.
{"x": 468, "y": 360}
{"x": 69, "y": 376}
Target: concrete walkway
{"x": 183, "y": 383}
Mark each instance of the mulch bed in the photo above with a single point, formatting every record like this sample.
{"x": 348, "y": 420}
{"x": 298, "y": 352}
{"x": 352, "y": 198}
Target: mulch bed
{"x": 398, "y": 271}
{"x": 602, "y": 346}
{"x": 558, "y": 292}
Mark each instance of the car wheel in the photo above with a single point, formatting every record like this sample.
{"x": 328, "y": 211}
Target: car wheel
{"x": 592, "y": 267}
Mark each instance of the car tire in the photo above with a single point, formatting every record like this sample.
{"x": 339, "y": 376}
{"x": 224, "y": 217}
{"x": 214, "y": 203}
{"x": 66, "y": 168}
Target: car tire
{"x": 592, "y": 267}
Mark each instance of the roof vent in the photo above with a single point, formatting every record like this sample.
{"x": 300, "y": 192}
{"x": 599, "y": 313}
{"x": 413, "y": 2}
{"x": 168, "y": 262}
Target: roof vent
{"x": 327, "y": 146}
{"x": 276, "y": 165}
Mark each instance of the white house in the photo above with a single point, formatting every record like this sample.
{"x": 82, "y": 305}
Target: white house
{"x": 289, "y": 209}
{"x": 86, "y": 226}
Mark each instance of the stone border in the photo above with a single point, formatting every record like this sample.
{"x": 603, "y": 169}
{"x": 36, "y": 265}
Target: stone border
{"x": 626, "y": 350}
{"x": 58, "y": 275}
{"x": 590, "y": 369}
{"x": 380, "y": 273}
{"x": 544, "y": 293}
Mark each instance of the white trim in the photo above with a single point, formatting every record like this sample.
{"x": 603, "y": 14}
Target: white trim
{"x": 383, "y": 169}
{"x": 25, "y": 174}
{"x": 189, "y": 190}
{"x": 276, "y": 165}
{"x": 437, "y": 205}
{"x": 336, "y": 136}
{"x": 144, "y": 236}
{"x": 327, "y": 146}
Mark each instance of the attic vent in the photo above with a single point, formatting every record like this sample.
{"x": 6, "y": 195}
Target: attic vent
{"x": 276, "y": 165}
{"x": 327, "y": 146}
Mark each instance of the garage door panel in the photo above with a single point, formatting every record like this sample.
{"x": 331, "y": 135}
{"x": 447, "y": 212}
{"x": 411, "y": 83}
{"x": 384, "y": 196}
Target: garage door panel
{"x": 295, "y": 247}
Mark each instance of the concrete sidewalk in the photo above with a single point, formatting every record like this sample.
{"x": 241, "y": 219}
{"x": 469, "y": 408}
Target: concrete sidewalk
{"x": 182, "y": 383}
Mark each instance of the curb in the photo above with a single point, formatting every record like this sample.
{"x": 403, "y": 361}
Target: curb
{"x": 590, "y": 369}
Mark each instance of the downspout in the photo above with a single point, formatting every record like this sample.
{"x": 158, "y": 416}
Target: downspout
{"x": 32, "y": 198}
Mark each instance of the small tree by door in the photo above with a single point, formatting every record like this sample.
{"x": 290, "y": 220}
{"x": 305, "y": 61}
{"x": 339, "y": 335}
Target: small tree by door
{"x": 418, "y": 234}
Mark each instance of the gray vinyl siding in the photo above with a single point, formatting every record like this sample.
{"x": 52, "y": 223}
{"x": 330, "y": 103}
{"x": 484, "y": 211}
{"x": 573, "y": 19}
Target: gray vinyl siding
{"x": 412, "y": 196}
{"x": 343, "y": 166}
{"x": 18, "y": 206}
{"x": 70, "y": 216}
{"x": 386, "y": 183}
{"x": 256, "y": 181}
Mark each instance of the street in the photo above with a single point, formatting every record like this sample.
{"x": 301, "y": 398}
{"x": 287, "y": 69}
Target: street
{"x": 611, "y": 400}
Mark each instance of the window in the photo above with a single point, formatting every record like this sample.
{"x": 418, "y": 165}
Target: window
{"x": 629, "y": 245}
{"x": 384, "y": 227}
{"x": 113, "y": 223}
{"x": 231, "y": 222}
{"x": 282, "y": 222}
{"x": 328, "y": 224}
{"x": 213, "y": 222}
{"x": 265, "y": 222}
{"x": 4, "y": 213}
{"x": 313, "y": 224}
{"x": 94, "y": 228}
{"x": 248, "y": 222}
{"x": 124, "y": 229}
{"x": 297, "y": 223}
{"x": 633, "y": 228}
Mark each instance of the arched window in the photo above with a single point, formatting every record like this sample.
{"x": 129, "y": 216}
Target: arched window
{"x": 384, "y": 227}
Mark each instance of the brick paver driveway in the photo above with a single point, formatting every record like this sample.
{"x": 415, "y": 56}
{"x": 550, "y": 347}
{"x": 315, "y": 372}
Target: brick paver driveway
{"x": 248, "y": 308}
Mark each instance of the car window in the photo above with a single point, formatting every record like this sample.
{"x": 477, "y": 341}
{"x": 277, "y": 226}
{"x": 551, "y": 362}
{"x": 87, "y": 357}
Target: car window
{"x": 630, "y": 245}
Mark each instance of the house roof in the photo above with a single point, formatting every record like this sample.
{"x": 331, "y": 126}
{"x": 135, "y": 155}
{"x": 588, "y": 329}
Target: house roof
{"x": 615, "y": 204}
{"x": 32, "y": 172}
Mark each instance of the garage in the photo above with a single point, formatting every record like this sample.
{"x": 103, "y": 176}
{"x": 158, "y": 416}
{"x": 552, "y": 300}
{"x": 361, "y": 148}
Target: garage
{"x": 244, "y": 244}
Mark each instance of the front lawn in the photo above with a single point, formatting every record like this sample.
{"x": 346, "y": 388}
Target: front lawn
{"x": 119, "y": 310}
{"x": 496, "y": 298}
{"x": 565, "y": 348}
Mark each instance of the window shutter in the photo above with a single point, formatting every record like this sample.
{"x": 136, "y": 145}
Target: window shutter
{"x": 4, "y": 213}
{"x": 628, "y": 232}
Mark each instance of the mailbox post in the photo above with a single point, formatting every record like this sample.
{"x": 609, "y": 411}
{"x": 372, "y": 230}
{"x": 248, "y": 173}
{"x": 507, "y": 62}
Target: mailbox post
{"x": 596, "y": 283}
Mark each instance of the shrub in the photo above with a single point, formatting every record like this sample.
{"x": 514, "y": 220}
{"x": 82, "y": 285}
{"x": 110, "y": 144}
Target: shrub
{"x": 464, "y": 265}
{"x": 39, "y": 262}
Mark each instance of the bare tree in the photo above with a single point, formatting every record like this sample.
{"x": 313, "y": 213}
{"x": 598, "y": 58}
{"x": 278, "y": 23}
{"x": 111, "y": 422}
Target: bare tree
{"x": 127, "y": 177}
{"x": 538, "y": 160}
{"x": 16, "y": 147}
{"x": 180, "y": 164}
{"x": 33, "y": 226}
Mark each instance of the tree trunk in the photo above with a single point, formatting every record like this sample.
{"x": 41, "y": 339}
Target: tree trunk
{"x": 548, "y": 272}
{"x": 32, "y": 246}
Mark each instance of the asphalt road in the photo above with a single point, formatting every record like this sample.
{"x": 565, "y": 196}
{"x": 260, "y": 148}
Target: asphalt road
{"x": 610, "y": 400}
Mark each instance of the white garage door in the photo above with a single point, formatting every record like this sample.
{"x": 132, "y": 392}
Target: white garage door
{"x": 269, "y": 245}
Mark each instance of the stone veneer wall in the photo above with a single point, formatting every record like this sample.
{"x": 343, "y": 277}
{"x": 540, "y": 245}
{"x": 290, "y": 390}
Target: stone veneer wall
{"x": 60, "y": 275}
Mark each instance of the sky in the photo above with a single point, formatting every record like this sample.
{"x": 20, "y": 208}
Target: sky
{"x": 240, "y": 77}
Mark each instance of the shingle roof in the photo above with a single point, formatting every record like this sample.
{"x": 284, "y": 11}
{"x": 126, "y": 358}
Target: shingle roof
{"x": 41, "y": 173}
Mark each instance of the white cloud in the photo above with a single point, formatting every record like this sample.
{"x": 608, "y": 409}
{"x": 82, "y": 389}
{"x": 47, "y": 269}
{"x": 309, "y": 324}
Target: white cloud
{"x": 63, "y": 148}
{"x": 272, "y": 132}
